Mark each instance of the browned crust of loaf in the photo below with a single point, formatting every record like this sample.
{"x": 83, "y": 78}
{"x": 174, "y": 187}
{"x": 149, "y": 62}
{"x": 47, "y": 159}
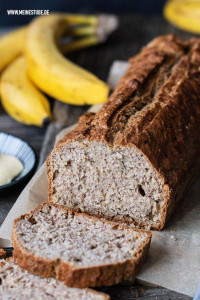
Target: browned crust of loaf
{"x": 106, "y": 297}
{"x": 168, "y": 137}
{"x": 75, "y": 276}
{"x": 2, "y": 253}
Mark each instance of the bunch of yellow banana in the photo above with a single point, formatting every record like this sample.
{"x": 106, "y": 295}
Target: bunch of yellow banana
{"x": 33, "y": 58}
{"x": 185, "y": 14}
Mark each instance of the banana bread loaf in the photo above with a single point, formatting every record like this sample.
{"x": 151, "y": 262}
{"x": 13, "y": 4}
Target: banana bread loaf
{"x": 81, "y": 250}
{"x": 19, "y": 284}
{"x": 133, "y": 160}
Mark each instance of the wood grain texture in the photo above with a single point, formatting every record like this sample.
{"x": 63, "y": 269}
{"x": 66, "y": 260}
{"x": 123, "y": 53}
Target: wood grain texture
{"x": 138, "y": 292}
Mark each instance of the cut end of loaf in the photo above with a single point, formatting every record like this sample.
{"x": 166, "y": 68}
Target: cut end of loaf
{"x": 81, "y": 250}
{"x": 117, "y": 184}
{"x": 18, "y": 284}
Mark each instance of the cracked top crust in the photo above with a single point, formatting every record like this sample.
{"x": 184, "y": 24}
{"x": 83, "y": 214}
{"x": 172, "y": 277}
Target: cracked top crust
{"x": 155, "y": 108}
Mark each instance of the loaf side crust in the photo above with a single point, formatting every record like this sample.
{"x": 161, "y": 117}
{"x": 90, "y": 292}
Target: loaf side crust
{"x": 74, "y": 276}
{"x": 106, "y": 297}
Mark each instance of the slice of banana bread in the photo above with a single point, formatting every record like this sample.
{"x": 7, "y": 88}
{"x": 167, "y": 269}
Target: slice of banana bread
{"x": 81, "y": 250}
{"x": 133, "y": 160}
{"x": 18, "y": 284}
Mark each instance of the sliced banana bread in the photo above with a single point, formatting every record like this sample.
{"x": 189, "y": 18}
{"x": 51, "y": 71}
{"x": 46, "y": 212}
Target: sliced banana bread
{"x": 133, "y": 160}
{"x": 18, "y": 284}
{"x": 81, "y": 250}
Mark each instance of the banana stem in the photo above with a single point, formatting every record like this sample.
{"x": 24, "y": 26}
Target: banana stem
{"x": 82, "y": 19}
{"x": 80, "y": 44}
{"x": 85, "y": 30}
{"x": 101, "y": 25}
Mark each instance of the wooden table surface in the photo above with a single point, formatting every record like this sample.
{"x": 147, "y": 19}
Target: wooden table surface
{"x": 134, "y": 32}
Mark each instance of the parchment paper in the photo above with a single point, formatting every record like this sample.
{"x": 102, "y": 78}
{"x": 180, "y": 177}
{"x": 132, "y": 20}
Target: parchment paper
{"x": 174, "y": 258}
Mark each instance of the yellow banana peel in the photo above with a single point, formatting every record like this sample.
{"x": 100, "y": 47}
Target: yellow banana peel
{"x": 11, "y": 46}
{"x": 184, "y": 14}
{"x": 20, "y": 98}
{"x": 52, "y": 72}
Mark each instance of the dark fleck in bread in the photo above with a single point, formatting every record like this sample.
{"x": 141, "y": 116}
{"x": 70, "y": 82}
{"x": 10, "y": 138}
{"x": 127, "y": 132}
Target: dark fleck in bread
{"x": 19, "y": 284}
{"x": 81, "y": 250}
{"x": 133, "y": 160}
